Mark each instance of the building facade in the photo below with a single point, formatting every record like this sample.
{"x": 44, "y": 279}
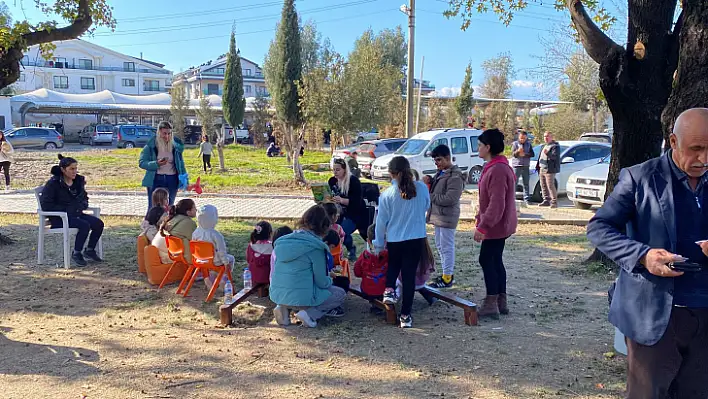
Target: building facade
{"x": 80, "y": 67}
{"x": 208, "y": 79}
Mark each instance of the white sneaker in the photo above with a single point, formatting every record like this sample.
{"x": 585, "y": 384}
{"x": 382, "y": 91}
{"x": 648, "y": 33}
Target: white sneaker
{"x": 7, "y": 189}
{"x": 305, "y": 319}
{"x": 282, "y": 315}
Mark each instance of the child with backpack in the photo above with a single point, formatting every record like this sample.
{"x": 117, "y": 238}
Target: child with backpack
{"x": 371, "y": 268}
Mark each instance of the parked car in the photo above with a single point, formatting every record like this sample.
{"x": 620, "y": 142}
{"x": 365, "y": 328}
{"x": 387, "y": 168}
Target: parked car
{"x": 463, "y": 146}
{"x": 96, "y": 133}
{"x": 368, "y": 151}
{"x": 575, "y": 156}
{"x": 130, "y": 136}
{"x": 192, "y": 134}
{"x": 343, "y": 153}
{"x": 34, "y": 137}
{"x": 587, "y": 187}
{"x": 366, "y": 136}
{"x": 597, "y": 137}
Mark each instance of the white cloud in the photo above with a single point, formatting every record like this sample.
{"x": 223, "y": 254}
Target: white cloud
{"x": 446, "y": 92}
{"x": 523, "y": 83}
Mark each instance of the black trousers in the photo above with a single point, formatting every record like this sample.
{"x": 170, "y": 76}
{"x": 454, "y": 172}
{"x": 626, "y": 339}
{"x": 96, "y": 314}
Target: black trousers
{"x": 206, "y": 159}
{"x": 85, "y": 224}
{"x": 490, "y": 258}
{"x": 5, "y": 166}
{"x": 676, "y": 367}
{"x": 403, "y": 259}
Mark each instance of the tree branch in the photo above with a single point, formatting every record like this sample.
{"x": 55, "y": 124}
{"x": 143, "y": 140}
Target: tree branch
{"x": 81, "y": 24}
{"x": 596, "y": 42}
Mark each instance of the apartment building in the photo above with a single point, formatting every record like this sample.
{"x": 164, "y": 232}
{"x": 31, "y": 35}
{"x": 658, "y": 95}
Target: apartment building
{"x": 208, "y": 78}
{"x": 80, "y": 67}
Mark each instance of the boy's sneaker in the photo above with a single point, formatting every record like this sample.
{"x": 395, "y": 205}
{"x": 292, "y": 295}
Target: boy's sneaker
{"x": 282, "y": 315}
{"x": 305, "y": 319}
{"x": 390, "y": 297}
{"x": 78, "y": 259}
{"x": 92, "y": 255}
{"x": 440, "y": 283}
{"x": 544, "y": 204}
{"x": 406, "y": 321}
{"x": 336, "y": 312}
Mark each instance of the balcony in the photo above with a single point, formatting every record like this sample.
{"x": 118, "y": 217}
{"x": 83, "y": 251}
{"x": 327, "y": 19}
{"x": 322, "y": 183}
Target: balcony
{"x": 66, "y": 65}
{"x": 155, "y": 89}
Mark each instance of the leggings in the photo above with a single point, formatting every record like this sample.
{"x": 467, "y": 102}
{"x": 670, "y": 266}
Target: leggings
{"x": 5, "y": 166}
{"x": 206, "y": 160}
{"x": 85, "y": 224}
{"x": 490, "y": 257}
{"x": 403, "y": 259}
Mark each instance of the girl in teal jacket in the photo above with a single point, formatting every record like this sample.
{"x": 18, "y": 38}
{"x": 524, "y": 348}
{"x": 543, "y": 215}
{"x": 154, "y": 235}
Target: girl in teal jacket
{"x": 300, "y": 276}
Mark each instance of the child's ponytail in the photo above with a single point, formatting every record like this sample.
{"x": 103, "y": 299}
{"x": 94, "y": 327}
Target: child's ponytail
{"x": 262, "y": 231}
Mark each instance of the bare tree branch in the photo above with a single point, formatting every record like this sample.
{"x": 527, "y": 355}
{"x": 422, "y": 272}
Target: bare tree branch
{"x": 596, "y": 42}
{"x": 80, "y": 25}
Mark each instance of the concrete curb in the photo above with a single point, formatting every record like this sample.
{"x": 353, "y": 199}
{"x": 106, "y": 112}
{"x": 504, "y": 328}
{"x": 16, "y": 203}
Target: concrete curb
{"x": 179, "y": 194}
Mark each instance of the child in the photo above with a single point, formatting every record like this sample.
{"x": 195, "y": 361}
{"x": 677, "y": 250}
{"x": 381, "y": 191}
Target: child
{"x": 208, "y": 217}
{"x": 160, "y": 199}
{"x": 372, "y": 268}
{"x": 151, "y": 222}
{"x": 300, "y": 278}
{"x": 332, "y": 240}
{"x": 333, "y": 212}
{"x": 259, "y": 252}
{"x": 179, "y": 223}
{"x": 205, "y": 150}
{"x": 279, "y": 232}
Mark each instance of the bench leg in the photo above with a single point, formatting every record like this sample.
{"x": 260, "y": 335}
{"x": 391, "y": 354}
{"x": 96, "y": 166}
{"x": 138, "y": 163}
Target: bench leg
{"x": 391, "y": 315}
{"x": 471, "y": 317}
{"x": 226, "y": 315}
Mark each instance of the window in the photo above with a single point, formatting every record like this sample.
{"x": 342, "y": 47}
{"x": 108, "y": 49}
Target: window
{"x": 247, "y": 89}
{"x": 60, "y": 62}
{"x": 246, "y": 72}
{"x": 143, "y": 132}
{"x": 395, "y": 145}
{"x": 88, "y": 84}
{"x": 459, "y": 145}
{"x": 61, "y": 82}
{"x": 36, "y": 132}
{"x": 85, "y": 63}
{"x": 412, "y": 147}
{"x": 128, "y": 82}
{"x": 212, "y": 88}
{"x": 580, "y": 154}
{"x": 599, "y": 152}
{"x": 220, "y": 71}
{"x": 25, "y": 60}
{"x": 129, "y": 131}
{"x": 474, "y": 144}
{"x": 151, "y": 85}
{"x": 23, "y": 78}
{"x": 437, "y": 143}
{"x": 129, "y": 67}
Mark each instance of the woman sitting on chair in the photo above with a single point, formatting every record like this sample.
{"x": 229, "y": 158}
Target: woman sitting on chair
{"x": 65, "y": 192}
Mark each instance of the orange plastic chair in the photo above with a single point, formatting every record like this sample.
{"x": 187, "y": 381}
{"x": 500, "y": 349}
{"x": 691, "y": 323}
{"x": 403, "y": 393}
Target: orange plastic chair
{"x": 142, "y": 243}
{"x": 157, "y": 271}
{"x": 341, "y": 261}
{"x": 203, "y": 261}
{"x": 175, "y": 249}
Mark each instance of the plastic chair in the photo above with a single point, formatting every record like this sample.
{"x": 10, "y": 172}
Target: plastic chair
{"x": 339, "y": 260}
{"x": 203, "y": 261}
{"x": 157, "y": 271}
{"x": 142, "y": 243}
{"x": 175, "y": 249}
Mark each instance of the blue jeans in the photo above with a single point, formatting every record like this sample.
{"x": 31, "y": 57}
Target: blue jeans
{"x": 85, "y": 224}
{"x": 168, "y": 182}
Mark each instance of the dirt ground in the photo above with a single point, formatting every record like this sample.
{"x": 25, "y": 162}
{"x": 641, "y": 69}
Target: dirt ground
{"x": 104, "y": 332}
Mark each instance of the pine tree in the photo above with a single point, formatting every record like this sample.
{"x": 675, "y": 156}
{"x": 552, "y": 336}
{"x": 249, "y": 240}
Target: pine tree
{"x": 233, "y": 103}
{"x": 463, "y": 102}
{"x": 179, "y": 104}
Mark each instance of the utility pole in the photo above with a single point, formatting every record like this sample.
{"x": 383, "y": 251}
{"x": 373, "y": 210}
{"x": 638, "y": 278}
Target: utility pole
{"x": 420, "y": 95}
{"x": 410, "y": 79}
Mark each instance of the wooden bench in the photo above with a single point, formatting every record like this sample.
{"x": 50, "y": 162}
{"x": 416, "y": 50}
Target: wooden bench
{"x": 470, "y": 308}
{"x": 391, "y": 315}
{"x": 226, "y": 312}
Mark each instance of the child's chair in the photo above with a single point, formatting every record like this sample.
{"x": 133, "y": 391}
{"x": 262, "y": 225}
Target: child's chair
{"x": 175, "y": 249}
{"x": 142, "y": 243}
{"x": 157, "y": 271}
{"x": 203, "y": 261}
{"x": 341, "y": 261}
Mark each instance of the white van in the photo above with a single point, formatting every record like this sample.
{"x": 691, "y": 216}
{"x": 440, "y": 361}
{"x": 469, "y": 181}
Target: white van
{"x": 463, "y": 147}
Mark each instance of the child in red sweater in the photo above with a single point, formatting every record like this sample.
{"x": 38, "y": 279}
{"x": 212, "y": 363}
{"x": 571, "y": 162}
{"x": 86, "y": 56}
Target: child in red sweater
{"x": 372, "y": 268}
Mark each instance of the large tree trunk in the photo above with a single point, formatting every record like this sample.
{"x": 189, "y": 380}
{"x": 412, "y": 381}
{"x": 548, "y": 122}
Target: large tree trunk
{"x": 220, "y": 150}
{"x": 298, "y": 174}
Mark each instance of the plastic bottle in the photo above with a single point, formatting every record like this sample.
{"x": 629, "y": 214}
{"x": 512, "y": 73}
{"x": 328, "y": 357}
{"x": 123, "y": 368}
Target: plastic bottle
{"x": 247, "y": 283}
{"x": 228, "y": 293}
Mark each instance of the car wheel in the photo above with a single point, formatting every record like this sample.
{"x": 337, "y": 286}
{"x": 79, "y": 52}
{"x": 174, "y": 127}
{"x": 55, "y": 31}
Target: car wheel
{"x": 581, "y": 205}
{"x": 50, "y": 146}
{"x": 537, "y": 196}
{"x": 475, "y": 175}
{"x": 129, "y": 145}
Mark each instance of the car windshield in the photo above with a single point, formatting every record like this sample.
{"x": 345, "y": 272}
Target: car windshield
{"x": 538, "y": 148}
{"x": 605, "y": 160}
{"x": 596, "y": 139}
{"x": 104, "y": 128}
{"x": 412, "y": 147}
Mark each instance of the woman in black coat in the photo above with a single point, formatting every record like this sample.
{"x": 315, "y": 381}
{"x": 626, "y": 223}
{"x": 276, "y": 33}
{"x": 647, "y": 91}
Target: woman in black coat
{"x": 66, "y": 192}
{"x": 346, "y": 190}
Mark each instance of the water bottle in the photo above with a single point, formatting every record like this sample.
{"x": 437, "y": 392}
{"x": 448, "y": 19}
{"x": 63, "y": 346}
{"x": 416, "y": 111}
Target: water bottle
{"x": 228, "y": 293}
{"x": 247, "y": 283}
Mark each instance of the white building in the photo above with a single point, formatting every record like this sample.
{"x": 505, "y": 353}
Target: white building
{"x": 80, "y": 67}
{"x": 208, "y": 79}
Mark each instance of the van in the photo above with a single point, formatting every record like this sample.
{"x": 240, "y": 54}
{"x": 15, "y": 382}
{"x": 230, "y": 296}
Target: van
{"x": 131, "y": 136}
{"x": 464, "y": 149}
{"x": 96, "y": 133}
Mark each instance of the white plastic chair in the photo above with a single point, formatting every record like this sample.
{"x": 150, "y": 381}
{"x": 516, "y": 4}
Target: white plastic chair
{"x": 45, "y": 228}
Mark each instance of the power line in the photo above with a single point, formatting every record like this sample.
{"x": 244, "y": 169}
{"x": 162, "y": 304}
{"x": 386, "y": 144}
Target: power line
{"x": 229, "y": 21}
{"x": 495, "y": 22}
{"x": 203, "y": 12}
{"x": 252, "y": 32}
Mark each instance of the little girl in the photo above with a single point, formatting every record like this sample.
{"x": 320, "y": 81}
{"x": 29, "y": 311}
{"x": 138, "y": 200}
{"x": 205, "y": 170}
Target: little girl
{"x": 259, "y": 252}
{"x": 180, "y": 224}
{"x": 161, "y": 200}
{"x": 205, "y": 150}
{"x": 151, "y": 222}
{"x": 333, "y": 212}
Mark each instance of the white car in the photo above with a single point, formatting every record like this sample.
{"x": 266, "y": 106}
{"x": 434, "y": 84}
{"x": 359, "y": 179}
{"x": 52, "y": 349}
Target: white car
{"x": 587, "y": 187}
{"x": 575, "y": 156}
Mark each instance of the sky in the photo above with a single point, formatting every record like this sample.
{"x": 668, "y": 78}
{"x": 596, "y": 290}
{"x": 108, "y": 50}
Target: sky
{"x": 181, "y": 33}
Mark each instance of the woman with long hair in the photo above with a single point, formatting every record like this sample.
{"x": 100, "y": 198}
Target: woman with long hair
{"x": 163, "y": 162}
{"x": 6, "y": 151}
{"x": 347, "y": 192}
{"x": 400, "y": 226}
{"x": 496, "y": 220}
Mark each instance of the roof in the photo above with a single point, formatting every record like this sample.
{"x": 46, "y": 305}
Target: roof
{"x": 157, "y": 64}
{"x": 432, "y": 133}
{"x": 121, "y": 54}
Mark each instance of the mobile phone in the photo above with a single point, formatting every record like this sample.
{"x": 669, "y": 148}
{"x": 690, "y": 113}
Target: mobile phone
{"x": 163, "y": 159}
{"x": 685, "y": 266}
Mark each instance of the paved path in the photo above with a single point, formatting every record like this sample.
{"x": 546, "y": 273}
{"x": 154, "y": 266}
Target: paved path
{"x": 273, "y": 207}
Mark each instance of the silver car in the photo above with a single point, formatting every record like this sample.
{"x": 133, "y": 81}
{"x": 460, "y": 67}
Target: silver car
{"x": 96, "y": 134}
{"x": 368, "y": 151}
{"x": 35, "y": 137}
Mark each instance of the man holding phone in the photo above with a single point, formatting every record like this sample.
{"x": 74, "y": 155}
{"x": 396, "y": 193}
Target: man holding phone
{"x": 660, "y": 301}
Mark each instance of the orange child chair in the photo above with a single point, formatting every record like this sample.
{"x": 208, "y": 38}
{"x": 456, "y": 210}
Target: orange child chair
{"x": 142, "y": 243}
{"x": 340, "y": 261}
{"x": 203, "y": 261}
{"x": 175, "y": 249}
{"x": 157, "y": 272}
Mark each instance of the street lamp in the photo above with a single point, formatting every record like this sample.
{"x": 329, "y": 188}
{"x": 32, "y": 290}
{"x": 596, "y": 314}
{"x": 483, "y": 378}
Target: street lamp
{"x": 410, "y": 12}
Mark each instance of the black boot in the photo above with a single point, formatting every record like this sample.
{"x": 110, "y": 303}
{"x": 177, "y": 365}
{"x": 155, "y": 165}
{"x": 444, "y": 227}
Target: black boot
{"x": 78, "y": 259}
{"x": 92, "y": 255}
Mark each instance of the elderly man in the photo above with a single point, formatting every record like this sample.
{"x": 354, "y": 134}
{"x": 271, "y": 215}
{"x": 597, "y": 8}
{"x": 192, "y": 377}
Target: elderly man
{"x": 548, "y": 166}
{"x": 662, "y": 204}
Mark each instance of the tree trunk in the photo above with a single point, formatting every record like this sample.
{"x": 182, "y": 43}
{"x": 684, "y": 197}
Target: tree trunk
{"x": 220, "y": 150}
{"x": 297, "y": 168}
{"x": 593, "y": 110}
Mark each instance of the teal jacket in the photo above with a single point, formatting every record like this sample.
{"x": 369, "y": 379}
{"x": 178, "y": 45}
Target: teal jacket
{"x": 148, "y": 160}
{"x": 300, "y": 275}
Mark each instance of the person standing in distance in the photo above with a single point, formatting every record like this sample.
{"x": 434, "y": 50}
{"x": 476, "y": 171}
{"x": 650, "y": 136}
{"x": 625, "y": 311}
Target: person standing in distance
{"x": 548, "y": 166}
{"x": 522, "y": 152}
{"x": 657, "y": 214}
{"x": 162, "y": 160}
{"x": 444, "y": 213}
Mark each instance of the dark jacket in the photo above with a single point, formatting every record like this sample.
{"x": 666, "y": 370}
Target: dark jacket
{"x": 445, "y": 193}
{"x": 519, "y": 160}
{"x": 57, "y": 196}
{"x": 643, "y": 203}
{"x": 550, "y": 161}
{"x": 356, "y": 210}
